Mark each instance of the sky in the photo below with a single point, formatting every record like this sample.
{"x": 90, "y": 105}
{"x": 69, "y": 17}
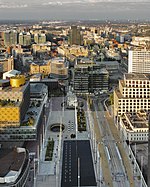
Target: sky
{"x": 74, "y": 9}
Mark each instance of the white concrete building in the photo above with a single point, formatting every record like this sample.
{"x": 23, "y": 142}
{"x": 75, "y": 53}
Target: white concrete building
{"x": 71, "y": 100}
{"x": 134, "y": 127}
{"x": 133, "y": 94}
{"x": 140, "y": 40}
{"x": 11, "y": 73}
{"x": 139, "y": 60}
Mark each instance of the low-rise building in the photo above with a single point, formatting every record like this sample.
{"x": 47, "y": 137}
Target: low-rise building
{"x": 43, "y": 67}
{"x": 7, "y": 63}
{"x": 74, "y": 50}
{"x": 134, "y": 127}
{"x": 111, "y": 66}
{"x": 59, "y": 68}
{"x": 36, "y": 77}
{"x": 15, "y": 165}
{"x": 15, "y": 122}
{"x": 14, "y": 101}
{"x": 21, "y": 110}
{"x": 71, "y": 100}
{"x": 26, "y": 58}
{"x": 46, "y": 47}
{"x": 11, "y": 73}
{"x": 38, "y": 91}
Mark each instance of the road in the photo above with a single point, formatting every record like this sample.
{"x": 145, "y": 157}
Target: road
{"x": 77, "y": 164}
{"x": 114, "y": 158}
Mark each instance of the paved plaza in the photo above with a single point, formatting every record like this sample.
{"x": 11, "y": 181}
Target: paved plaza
{"x": 48, "y": 173}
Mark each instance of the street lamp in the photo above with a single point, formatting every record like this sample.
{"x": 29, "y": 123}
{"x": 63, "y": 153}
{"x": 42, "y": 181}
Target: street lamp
{"x": 35, "y": 160}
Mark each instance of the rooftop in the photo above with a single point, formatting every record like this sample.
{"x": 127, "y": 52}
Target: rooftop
{"x": 108, "y": 63}
{"x": 13, "y": 72}
{"x": 19, "y": 89}
{"x": 136, "y": 76}
{"x": 37, "y": 88}
{"x": 137, "y": 120}
{"x": 11, "y": 160}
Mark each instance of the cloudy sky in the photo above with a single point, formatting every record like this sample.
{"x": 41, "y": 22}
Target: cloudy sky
{"x": 74, "y": 9}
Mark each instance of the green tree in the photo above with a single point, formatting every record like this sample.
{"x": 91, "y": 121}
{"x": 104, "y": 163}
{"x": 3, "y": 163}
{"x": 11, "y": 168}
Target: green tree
{"x": 111, "y": 98}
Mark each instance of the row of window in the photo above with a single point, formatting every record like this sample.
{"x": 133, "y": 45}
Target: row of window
{"x": 133, "y": 101}
{"x": 139, "y": 139}
{"x": 133, "y": 109}
{"x": 136, "y": 89}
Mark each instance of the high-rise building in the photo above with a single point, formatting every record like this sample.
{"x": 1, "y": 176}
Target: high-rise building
{"x": 81, "y": 80}
{"x": 133, "y": 94}
{"x": 75, "y": 36}
{"x": 139, "y": 60}
{"x": 10, "y": 38}
{"x": 39, "y": 38}
{"x": 25, "y": 39}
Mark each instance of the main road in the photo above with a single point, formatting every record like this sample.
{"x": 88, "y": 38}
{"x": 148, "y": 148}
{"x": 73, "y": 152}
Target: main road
{"x": 114, "y": 158}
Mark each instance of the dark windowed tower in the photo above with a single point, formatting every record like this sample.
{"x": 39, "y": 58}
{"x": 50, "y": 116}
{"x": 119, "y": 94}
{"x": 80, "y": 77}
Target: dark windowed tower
{"x": 75, "y": 36}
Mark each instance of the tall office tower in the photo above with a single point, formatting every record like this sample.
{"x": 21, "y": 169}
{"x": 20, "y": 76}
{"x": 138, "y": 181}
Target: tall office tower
{"x": 10, "y": 63}
{"x": 139, "y": 60}
{"x": 1, "y": 38}
{"x": 133, "y": 94}
{"x": 25, "y": 39}
{"x": 10, "y": 38}
{"x": 39, "y": 38}
{"x": 75, "y": 36}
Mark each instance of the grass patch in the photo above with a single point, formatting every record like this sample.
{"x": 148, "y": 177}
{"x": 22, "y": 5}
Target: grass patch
{"x": 49, "y": 150}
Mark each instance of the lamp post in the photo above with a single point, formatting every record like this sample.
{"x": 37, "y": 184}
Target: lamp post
{"x": 44, "y": 130}
{"x": 135, "y": 160}
{"x": 78, "y": 172}
{"x": 141, "y": 171}
{"x": 35, "y": 160}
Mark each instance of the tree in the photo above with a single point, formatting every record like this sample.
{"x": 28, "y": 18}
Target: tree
{"x": 111, "y": 97}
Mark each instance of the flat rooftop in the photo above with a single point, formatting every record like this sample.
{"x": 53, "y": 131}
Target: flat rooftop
{"x": 137, "y": 76}
{"x": 11, "y": 160}
{"x": 137, "y": 120}
{"x": 37, "y": 88}
{"x": 72, "y": 150}
{"x": 19, "y": 89}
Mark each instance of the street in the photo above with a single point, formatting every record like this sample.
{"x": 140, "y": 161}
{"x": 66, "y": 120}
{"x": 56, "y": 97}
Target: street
{"x": 116, "y": 166}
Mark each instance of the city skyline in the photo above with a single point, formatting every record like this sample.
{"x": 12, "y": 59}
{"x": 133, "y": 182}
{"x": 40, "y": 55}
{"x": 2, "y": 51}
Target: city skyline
{"x": 74, "y": 10}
